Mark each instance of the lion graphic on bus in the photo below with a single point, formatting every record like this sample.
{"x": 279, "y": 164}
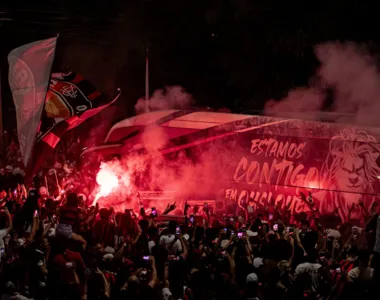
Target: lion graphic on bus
{"x": 349, "y": 174}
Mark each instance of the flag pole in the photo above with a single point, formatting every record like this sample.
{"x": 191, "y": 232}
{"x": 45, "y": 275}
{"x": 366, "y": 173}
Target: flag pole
{"x": 147, "y": 81}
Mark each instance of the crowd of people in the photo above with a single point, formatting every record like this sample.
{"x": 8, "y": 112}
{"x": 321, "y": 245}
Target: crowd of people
{"x": 55, "y": 245}
{"x": 62, "y": 248}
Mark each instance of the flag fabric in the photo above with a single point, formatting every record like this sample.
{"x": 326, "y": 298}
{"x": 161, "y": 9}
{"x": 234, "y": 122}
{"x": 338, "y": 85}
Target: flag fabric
{"x": 29, "y": 74}
{"x": 70, "y": 101}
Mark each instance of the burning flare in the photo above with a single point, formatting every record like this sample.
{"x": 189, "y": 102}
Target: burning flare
{"x": 107, "y": 181}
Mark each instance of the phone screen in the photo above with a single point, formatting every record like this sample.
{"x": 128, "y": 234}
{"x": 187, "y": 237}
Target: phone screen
{"x": 178, "y": 231}
{"x": 35, "y": 213}
{"x": 145, "y": 257}
{"x": 191, "y": 219}
{"x": 154, "y": 212}
{"x": 275, "y": 227}
{"x": 240, "y": 235}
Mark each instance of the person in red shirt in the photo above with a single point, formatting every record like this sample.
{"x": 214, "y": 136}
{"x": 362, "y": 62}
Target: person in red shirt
{"x": 339, "y": 275}
{"x": 69, "y": 269}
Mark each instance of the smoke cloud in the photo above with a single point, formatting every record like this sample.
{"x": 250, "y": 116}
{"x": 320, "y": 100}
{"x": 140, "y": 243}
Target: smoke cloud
{"x": 168, "y": 98}
{"x": 351, "y": 73}
{"x": 346, "y": 69}
{"x": 181, "y": 175}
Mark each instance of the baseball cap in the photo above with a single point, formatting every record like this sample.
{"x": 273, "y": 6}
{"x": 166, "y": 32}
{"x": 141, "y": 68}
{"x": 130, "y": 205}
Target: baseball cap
{"x": 252, "y": 278}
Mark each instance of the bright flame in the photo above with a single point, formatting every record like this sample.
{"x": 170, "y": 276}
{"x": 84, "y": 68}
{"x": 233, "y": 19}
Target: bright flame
{"x": 107, "y": 181}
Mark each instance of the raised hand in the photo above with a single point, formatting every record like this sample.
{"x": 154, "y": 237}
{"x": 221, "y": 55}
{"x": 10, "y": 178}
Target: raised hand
{"x": 302, "y": 196}
{"x": 172, "y": 206}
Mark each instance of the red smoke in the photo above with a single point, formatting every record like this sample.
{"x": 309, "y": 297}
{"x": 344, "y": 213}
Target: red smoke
{"x": 186, "y": 175}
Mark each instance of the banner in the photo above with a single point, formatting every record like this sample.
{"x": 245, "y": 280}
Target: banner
{"x": 29, "y": 73}
{"x": 70, "y": 101}
{"x": 341, "y": 172}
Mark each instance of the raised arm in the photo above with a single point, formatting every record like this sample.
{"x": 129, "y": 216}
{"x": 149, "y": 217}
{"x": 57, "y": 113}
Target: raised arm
{"x": 185, "y": 252}
{"x": 10, "y": 222}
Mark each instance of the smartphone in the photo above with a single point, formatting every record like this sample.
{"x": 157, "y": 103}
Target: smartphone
{"x": 191, "y": 219}
{"x": 145, "y": 257}
{"x": 154, "y": 212}
{"x": 225, "y": 229}
{"x": 289, "y": 229}
{"x": 240, "y": 235}
{"x": 275, "y": 227}
{"x": 69, "y": 265}
{"x": 232, "y": 232}
{"x": 338, "y": 270}
{"x": 131, "y": 213}
{"x": 35, "y": 214}
{"x": 270, "y": 217}
{"x": 178, "y": 230}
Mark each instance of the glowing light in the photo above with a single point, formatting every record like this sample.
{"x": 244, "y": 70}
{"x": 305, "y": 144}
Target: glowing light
{"x": 313, "y": 185}
{"x": 107, "y": 181}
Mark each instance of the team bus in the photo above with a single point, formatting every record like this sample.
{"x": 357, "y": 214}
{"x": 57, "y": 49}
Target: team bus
{"x": 251, "y": 160}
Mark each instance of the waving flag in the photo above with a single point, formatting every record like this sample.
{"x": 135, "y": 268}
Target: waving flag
{"x": 29, "y": 74}
{"x": 70, "y": 101}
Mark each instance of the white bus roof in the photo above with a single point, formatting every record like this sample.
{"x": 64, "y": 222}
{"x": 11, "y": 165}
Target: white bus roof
{"x": 177, "y": 123}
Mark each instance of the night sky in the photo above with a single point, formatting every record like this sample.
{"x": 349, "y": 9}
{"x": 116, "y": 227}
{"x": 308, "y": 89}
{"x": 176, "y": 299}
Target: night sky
{"x": 235, "y": 54}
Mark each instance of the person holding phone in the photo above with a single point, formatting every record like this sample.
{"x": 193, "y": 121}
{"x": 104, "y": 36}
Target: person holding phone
{"x": 171, "y": 240}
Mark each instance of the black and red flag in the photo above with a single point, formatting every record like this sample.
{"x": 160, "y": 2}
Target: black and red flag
{"x": 47, "y": 105}
{"x": 70, "y": 101}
